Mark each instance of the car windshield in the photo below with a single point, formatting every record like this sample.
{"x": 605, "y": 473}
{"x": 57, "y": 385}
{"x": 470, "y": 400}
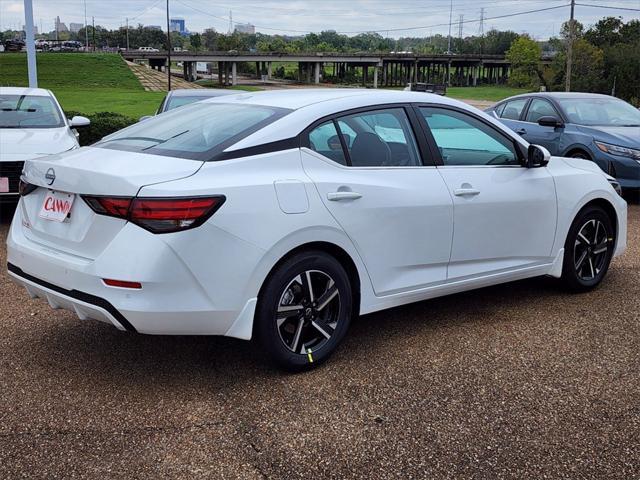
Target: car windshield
{"x": 29, "y": 111}
{"x": 197, "y": 131}
{"x": 176, "y": 102}
{"x": 604, "y": 112}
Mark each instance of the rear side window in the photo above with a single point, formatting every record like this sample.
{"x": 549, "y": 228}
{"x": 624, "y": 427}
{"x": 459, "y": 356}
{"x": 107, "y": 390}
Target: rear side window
{"x": 324, "y": 139}
{"x": 513, "y": 109}
{"x": 199, "y": 131}
{"x": 380, "y": 138}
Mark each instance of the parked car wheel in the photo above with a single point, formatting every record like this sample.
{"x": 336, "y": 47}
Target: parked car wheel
{"x": 580, "y": 154}
{"x": 304, "y": 310}
{"x": 588, "y": 250}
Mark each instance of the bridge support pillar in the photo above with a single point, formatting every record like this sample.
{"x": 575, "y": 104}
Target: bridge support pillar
{"x": 268, "y": 70}
{"x": 375, "y": 76}
{"x": 234, "y": 73}
{"x": 316, "y": 73}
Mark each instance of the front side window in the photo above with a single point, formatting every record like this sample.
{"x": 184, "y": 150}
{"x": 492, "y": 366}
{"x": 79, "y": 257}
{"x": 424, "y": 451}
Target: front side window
{"x": 540, "y": 108}
{"x": 513, "y": 109}
{"x": 29, "y": 111}
{"x": 465, "y": 140}
{"x": 196, "y": 131}
{"x": 380, "y": 138}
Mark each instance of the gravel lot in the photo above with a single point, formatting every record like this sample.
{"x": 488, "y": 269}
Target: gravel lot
{"x": 514, "y": 381}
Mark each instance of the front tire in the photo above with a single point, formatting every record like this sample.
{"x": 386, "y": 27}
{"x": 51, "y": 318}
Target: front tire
{"x": 304, "y": 310}
{"x": 588, "y": 250}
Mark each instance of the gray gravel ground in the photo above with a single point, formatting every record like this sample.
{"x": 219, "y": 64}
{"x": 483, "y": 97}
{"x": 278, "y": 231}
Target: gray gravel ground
{"x": 514, "y": 381}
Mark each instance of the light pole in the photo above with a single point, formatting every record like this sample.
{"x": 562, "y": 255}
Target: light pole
{"x": 168, "y": 51}
{"x": 450, "y": 20}
{"x": 86, "y": 33}
{"x": 31, "y": 45}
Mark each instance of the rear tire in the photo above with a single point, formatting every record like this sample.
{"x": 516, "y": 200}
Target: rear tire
{"x": 588, "y": 250}
{"x": 304, "y": 310}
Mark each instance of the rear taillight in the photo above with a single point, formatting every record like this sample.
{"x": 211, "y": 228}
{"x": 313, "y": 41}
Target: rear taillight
{"x": 25, "y": 188}
{"x": 158, "y": 215}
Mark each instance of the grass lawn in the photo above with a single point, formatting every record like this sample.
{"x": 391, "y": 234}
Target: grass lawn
{"x": 85, "y": 83}
{"x": 492, "y": 93}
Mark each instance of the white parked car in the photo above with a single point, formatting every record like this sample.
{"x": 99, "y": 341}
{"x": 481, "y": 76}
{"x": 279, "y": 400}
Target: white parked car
{"x": 283, "y": 214}
{"x": 148, "y": 49}
{"x": 31, "y": 125}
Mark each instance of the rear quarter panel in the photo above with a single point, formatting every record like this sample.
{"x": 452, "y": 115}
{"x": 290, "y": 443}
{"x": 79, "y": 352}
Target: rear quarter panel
{"x": 254, "y": 217}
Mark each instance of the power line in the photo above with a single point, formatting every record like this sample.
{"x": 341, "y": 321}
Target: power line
{"x": 609, "y": 7}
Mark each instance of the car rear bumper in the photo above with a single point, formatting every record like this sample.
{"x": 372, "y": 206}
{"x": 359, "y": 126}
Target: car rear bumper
{"x": 85, "y": 306}
{"x": 172, "y": 300}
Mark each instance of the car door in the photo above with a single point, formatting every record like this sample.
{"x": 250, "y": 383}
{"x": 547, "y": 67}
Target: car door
{"x": 512, "y": 113}
{"x": 504, "y": 214}
{"x": 548, "y": 137}
{"x": 380, "y": 185}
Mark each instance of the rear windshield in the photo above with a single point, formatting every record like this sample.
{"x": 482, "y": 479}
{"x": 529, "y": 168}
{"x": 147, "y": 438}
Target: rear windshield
{"x": 176, "y": 102}
{"x": 198, "y": 131}
{"x": 29, "y": 111}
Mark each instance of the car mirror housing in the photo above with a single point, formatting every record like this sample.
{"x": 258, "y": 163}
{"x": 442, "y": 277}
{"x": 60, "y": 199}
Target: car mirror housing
{"x": 537, "y": 156}
{"x": 145, "y": 117}
{"x": 550, "y": 121}
{"x": 79, "y": 122}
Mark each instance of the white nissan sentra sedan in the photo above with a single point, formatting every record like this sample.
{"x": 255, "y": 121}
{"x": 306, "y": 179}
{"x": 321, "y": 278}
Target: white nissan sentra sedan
{"x": 282, "y": 215}
{"x": 31, "y": 125}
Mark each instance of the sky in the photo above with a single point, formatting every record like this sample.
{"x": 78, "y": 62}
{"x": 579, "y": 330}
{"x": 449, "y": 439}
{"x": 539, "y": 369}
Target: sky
{"x": 390, "y": 18}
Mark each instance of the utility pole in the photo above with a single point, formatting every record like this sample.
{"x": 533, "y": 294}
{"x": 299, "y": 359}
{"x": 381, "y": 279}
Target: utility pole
{"x": 127, "y": 33}
{"x": 450, "y": 19}
{"x": 86, "y": 33}
{"x": 460, "y": 22}
{"x": 31, "y": 45}
{"x": 481, "y": 30}
{"x": 168, "y": 51}
{"x": 93, "y": 32}
{"x": 567, "y": 84}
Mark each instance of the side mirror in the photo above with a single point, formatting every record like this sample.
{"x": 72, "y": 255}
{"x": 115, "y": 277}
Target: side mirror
{"x": 145, "y": 117}
{"x": 79, "y": 122}
{"x": 550, "y": 121}
{"x": 537, "y": 156}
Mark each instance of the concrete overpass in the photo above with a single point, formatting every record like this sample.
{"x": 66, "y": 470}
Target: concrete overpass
{"x": 396, "y": 69}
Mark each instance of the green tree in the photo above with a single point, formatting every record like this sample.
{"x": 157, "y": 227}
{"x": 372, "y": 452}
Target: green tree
{"x": 196, "y": 41}
{"x": 524, "y": 56}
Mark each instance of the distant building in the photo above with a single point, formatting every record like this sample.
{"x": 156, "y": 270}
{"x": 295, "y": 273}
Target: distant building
{"x": 75, "y": 27}
{"x": 153, "y": 27}
{"x": 177, "y": 25}
{"x": 60, "y": 26}
{"x": 245, "y": 28}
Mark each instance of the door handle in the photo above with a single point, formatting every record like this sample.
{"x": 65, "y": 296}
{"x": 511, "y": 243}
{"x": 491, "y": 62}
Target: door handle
{"x": 521, "y": 131}
{"x": 461, "y": 192}
{"x": 337, "y": 196}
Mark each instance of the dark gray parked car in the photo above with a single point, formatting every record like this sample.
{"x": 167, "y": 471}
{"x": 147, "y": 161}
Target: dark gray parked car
{"x": 597, "y": 127}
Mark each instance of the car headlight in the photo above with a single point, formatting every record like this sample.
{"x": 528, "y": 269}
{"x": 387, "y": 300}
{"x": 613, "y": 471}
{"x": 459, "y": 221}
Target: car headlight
{"x": 619, "y": 151}
{"x": 616, "y": 185}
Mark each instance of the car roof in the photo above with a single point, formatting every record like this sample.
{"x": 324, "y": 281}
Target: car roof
{"x": 36, "y": 92}
{"x": 559, "y": 95}
{"x": 294, "y": 99}
{"x": 202, "y": 92}
{"x": 309, "y": 105}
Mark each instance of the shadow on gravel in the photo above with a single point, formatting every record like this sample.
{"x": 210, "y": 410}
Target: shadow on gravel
{"x": 102, "y": 355}
{"x": 6, "y": 212}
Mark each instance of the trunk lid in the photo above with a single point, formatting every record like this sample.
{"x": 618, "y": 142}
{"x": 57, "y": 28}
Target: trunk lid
{"x": 90, "y": 171}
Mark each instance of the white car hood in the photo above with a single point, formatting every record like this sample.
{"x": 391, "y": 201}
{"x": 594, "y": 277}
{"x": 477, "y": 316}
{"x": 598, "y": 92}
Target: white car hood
{"x": 25, "y": 143}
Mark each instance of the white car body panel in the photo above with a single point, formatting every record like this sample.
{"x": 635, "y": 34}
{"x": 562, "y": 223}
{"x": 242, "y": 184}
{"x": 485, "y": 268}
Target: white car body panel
{"x": 409, "y": 236}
